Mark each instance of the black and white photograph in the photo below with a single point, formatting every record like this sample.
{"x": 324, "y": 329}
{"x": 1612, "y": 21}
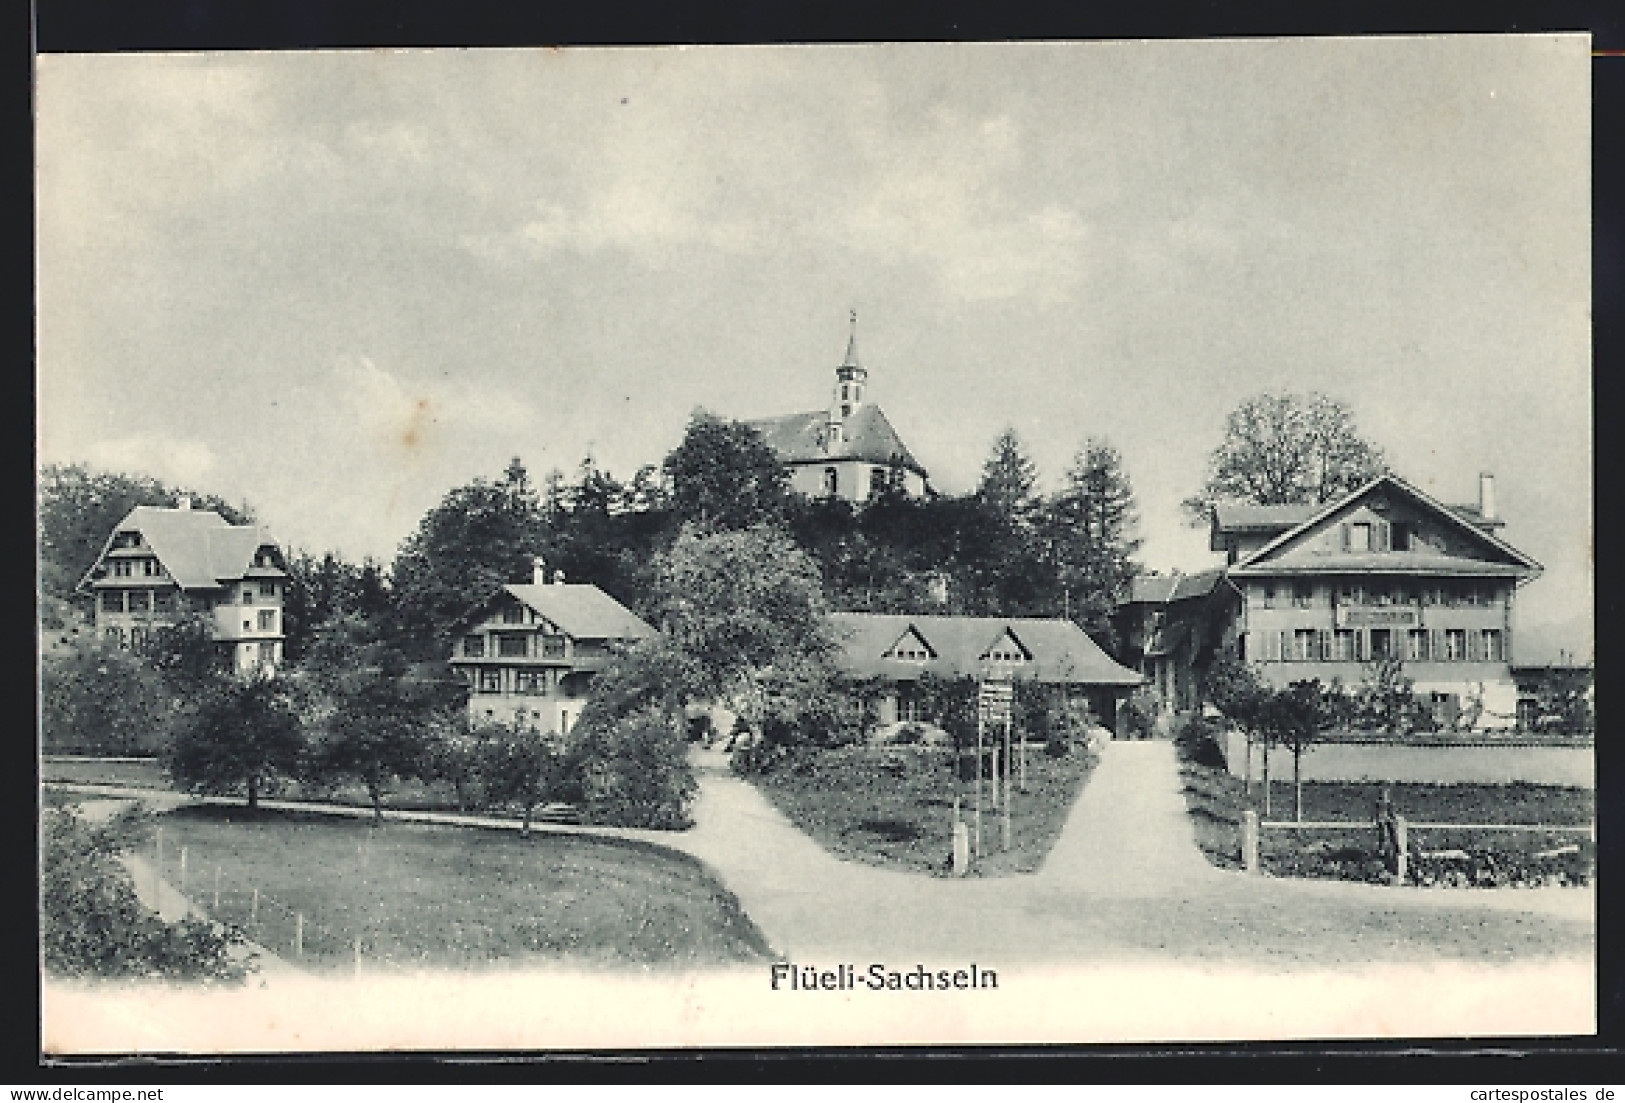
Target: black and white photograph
{"x": 923, "y": 544}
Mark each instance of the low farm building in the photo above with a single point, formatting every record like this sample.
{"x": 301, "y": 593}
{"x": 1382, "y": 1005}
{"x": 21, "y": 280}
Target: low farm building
{"x": 901, "y": 649}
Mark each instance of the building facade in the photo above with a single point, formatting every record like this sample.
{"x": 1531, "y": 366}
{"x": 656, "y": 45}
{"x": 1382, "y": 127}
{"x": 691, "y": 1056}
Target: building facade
{"x": 1383, "y": 573}
{"x": 160, "y": 564}
{"x": 1171, "y": 627}
{"x": 529, "y": 652}
{"x": 848, "y": 451}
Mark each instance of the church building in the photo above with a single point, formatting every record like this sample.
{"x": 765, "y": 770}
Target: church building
{"x": 849, "y": 450}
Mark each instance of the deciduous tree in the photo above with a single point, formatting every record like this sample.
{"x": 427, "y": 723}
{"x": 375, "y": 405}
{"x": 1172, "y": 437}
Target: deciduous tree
{"x": 1281, "y": 449}
{"x": 724, "y": 475}
{"x": 240, "y": 735}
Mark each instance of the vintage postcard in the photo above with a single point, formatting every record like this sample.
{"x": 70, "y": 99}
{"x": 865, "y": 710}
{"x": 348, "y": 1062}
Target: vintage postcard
{"x": 816, "y": 545}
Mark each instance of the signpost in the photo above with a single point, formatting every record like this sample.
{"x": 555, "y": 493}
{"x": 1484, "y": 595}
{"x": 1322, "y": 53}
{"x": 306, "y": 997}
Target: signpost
{"x": 994, "y": 697}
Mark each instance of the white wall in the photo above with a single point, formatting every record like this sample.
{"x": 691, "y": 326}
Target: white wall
{"x": 1436, "y": 765}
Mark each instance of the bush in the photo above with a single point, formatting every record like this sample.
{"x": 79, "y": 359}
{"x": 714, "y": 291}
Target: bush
{"x": 92, "y": 925}
{"x": 1140, "y": 714}
{"x": 633, "y": 772}
{"x": 1197, "y": 738}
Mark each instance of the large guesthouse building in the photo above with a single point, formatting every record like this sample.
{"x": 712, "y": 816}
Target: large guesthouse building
{"x": 1383, "y": 573}
{"x": 529, "y": 652}
{"x": 160, "y": 563}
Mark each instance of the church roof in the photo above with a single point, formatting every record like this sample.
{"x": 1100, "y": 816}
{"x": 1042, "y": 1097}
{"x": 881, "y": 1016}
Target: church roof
{"x": 866, "y": 435}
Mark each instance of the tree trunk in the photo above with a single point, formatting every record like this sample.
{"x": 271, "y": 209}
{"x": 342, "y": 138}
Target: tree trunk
{"x": 1266, "y": 746}
{"x": 376, "y": 792}
{"x": 524, "y": 827}
{"x": 1297, "y": 781}
{"x": 253, "y": 791}
{"x": 1247, "y": 770}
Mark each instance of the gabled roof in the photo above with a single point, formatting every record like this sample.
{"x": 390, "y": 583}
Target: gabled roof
{"x": 1156, "y": 589}
{"x": 865, "y": 435}
{"x": 1250, "y": 519}
{"x": 1062, "y": 652}
{"x": 1255, "y": 562}
{"x": 198, "y": 547}
{"x": 581, "y": 610}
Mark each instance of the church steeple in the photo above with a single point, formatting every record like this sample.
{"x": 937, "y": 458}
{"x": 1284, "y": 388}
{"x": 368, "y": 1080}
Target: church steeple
{"x": 850, "y": 379}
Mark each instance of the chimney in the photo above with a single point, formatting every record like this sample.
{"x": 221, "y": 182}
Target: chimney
{"x": 183, "y": 502}
{"x": 1486, "y": 496}
{"x": 538, "y": 571}
{"x": 558, "y": 578}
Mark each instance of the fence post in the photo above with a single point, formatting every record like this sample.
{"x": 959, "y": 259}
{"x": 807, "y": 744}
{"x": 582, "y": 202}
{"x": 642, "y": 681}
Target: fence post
{"x": 158, "y": 870}
{"x": 217, "y": 887}
{"x": 254, "y": 907}
{"x": 298, "y": 934}
{"x": 183, "y": 871}
{"x": 358, "y": 957}
{"x": 1249, "y": 841}
{"x": 961, "y": 848}
{"x": 1402, "y": 844}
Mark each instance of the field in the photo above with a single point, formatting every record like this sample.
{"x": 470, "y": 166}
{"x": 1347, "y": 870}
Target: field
{"x": 409, "y": 795}
{"x": 1457, "y": 856}
{"x": 893, "y": 806}
{"x": 439, "y": 897}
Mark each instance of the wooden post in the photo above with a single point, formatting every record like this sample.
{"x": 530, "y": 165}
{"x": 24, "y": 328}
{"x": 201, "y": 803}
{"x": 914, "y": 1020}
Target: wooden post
{"x": 158, "y": 872}
{"x": 1402, "y": 859}
{"x": 217, "y": 887}
{"x": 254, "y": 908}
{"x": 183, "y": 871}
{"x": 961, "y": 849}
{"x": 978, "y": 831}
{"x": 358, "y": 957}
{"x": 298, "y": 934}
{"x": 1006, "y": 783}
{"x": 1249, "y": 841}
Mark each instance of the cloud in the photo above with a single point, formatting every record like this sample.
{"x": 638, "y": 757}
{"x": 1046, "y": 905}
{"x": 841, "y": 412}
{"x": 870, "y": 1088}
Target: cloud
{"x": 167, "y": 458}
{"x": 948, "y": 198}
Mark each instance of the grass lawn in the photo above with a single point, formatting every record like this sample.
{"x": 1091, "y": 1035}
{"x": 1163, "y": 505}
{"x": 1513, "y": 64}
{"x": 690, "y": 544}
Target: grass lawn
{"x": 143, "y": 774}
{"x": 893, "y": 806}
{"x": 441, "y": 897}
{"x": 410, "y": 795}
{"x": 1216, "y": 800}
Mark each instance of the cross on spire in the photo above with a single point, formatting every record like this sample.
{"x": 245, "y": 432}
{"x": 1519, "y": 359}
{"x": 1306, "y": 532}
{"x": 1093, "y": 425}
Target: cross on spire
{"x": 852, "y": 344}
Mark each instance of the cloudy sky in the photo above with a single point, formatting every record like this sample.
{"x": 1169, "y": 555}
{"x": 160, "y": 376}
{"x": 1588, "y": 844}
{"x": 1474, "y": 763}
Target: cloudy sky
{"x": 338, "y": 284}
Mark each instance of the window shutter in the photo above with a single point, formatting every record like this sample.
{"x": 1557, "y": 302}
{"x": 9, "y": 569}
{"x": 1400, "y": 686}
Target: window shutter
{"x": 1286, "y": 646}
{"x": 1475, "y": 647}
{"x": 1384, "y": 536}
{"x": 1325, "y": 639}
{"x": 1434, "y": 653}
{"x": 1344, "y": 529}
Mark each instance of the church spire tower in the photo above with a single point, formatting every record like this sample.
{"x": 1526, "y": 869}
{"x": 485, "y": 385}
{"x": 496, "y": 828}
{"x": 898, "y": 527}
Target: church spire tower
{"x": 850, "y": 379}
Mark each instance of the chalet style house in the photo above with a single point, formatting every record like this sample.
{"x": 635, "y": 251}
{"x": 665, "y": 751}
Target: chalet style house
{"x": 1325, "y": 591}
{"x": 529, "y": 652}
{"x": 848, "y": 451}
{"x": 1171, "y": 627}
{"x": 901, "y": 649}
{"x": 160, "y": 563}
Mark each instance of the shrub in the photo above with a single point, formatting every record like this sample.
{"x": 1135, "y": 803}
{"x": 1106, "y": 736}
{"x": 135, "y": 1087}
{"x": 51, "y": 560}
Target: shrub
{"x": 98, "y": 699}
{"x": 92, "y": 925}
{"x": 1140, "y": 714}
{"x": 1197, "y": 738}
{"x": 633, "y": 771}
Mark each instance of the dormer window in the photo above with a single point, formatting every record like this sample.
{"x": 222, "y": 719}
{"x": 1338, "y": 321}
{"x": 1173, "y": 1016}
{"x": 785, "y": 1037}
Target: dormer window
{"x": 1360, "y": 536}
